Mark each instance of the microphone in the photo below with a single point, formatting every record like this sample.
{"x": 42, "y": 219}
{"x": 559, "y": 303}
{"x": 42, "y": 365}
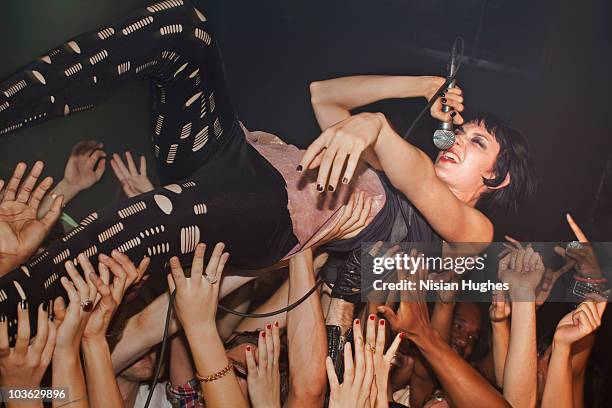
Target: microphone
{"x": 444, "y": 136}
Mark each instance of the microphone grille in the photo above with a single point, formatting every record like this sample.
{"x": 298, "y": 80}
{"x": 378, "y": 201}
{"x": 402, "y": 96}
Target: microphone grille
{"x": 444, "y": 139}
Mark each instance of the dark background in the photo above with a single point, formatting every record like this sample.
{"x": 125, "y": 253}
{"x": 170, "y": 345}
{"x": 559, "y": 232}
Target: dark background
{"x": 541, "y": 65}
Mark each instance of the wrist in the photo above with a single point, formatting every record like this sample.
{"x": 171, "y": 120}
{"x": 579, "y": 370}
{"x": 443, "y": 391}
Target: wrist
{"x": 561, "y": 348}
{"x": 67, "y": 189}
{"x": 521, "y": 293}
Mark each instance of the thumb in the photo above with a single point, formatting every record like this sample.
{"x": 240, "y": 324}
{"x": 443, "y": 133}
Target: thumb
{"x": 51, "y": 217}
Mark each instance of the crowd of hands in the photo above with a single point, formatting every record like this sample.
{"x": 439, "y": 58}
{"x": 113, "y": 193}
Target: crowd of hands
{"x": 399, "y": 344}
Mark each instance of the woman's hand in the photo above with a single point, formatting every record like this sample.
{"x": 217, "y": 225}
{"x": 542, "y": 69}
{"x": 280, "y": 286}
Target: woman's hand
{"x": 452, "y": 97}
{"x": 341, "y": 145}
{"x": 21, "y": 231}
{"x": 197, "y": 296}
{"x": 109, "y": 295}
{"x": 375, "y": 344}
{"x": 354, "y": 392}
{"x": 81, "y": 171}
{"x": 580, "y": 322}
{"x": 133, "y": 181}
{"x": 263, "y": 377}
{"x": 24, "y": 365}
{"x": 71, "y": 321}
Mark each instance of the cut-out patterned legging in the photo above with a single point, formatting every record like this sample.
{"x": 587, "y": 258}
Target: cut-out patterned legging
{"x": 221, "y": 188}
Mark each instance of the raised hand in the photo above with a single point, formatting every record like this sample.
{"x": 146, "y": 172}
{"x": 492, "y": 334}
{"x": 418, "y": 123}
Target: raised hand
{"x": 522, "y": 269}
{"x": 375, "y": 343}
{"x": 341, "y": 145}
{"x": 584, "y": 257}
{"x": 110, "y": 295}
{"x": 21, "y": 231}
{"x": 85, "y": 165}
{"x": 452, "y": 97}
{"x": 358, "y": 375}
{"x": 500, "y": 309}
{"x": 197, "y": 296}
{"x": 263, "y": 377}
{"x": 71, "y": 321}
{"x": 581, "y": 322}
{"x": 133, "y": 181}
{"x": 353, "y": 217}
{"x": 24, "y": 365}
{"x": 412, "y": 316}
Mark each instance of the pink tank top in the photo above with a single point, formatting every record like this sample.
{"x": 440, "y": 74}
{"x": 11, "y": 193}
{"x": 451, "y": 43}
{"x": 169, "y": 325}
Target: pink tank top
{"x": 313, "y": 212}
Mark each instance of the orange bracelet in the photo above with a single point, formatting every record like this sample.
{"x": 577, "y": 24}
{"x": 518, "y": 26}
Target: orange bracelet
{"x": 219, "y": 374}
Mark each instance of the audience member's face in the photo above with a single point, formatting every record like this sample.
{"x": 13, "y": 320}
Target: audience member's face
{"x": 465, "y": 329}
{"x": 142, "y": 370}
{"x": 471, "y": 158}
{"x": 237, "y": 356}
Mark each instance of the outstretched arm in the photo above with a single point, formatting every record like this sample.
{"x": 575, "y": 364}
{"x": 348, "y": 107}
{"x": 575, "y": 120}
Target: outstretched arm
{"x": 306, "y": 336}
{"x": 333, "y": 99}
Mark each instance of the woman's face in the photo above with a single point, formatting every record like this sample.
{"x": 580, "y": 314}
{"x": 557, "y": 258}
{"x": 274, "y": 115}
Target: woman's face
{"x": 471, "y": 158}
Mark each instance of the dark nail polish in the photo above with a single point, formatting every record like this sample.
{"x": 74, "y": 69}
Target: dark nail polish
{"x": 371, "y": 317}
{"x": 382, "y": 322}
{"x": 2, "y": 318}
{"x": 356, "y": 321}
{"x": 276, "y": 324}
{"x": 330, "y": 188}
{"x": 268, "y": 326}
{"x": 402, "y": 335}
{"x": 453, "y": 114}
{"x": 443, "y": 100}
{"x": 344, "y": 180}
{"x": 442, "y": 95}
{"x": 319, "y": 187}
{"x": 248, "y": 348}
{"x": 24, "y": 304}
{"x": 299, "y": 168}
{"x": 45, "y": 306}
{"x": 263, "y": 334}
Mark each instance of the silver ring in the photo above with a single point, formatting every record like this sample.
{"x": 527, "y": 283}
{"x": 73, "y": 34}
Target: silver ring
{"x": 210, "y": 279}
{"x": 574, "y": 245}
{"x": 87, "y": 306}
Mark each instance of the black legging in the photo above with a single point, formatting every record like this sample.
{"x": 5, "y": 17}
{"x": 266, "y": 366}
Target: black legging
{"x": 222, "y": 190}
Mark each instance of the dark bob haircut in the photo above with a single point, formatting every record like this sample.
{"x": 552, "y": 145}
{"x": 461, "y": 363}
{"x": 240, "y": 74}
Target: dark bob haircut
{"x": 512, "y": 159}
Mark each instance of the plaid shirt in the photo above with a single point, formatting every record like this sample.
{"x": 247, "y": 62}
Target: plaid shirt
{"x": 188, "y": 395}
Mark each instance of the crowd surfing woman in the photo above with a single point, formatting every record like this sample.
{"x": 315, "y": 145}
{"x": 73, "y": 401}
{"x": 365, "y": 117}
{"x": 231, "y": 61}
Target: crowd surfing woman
{"x": 264, "y": 200}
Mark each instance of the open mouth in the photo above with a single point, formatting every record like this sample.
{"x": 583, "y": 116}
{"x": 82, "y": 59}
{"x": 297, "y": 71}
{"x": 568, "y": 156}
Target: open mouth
{"x": 449, "y": 156}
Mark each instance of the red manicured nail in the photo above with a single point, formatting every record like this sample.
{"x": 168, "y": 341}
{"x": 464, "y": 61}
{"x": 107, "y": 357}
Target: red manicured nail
{"x": 276, "y": 324}
{"x": 268, "y": 326}
{"x": 402, "y": 335}
{"x": 356, "y": 321}
{"x": 382, "y": 322}
{"x": 371, "y": 317}
{"x": 248, "y": 348}
{"x": 263, "y": 334}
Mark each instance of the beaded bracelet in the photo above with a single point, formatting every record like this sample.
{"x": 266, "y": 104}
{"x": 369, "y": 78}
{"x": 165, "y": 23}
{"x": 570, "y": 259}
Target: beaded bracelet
{"x": 219, "y": 374}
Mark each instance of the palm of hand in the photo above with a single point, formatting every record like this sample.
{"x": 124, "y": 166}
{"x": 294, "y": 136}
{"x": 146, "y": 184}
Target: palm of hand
{"x": 21, "y": 233}
{"x": 139, "y": 184}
